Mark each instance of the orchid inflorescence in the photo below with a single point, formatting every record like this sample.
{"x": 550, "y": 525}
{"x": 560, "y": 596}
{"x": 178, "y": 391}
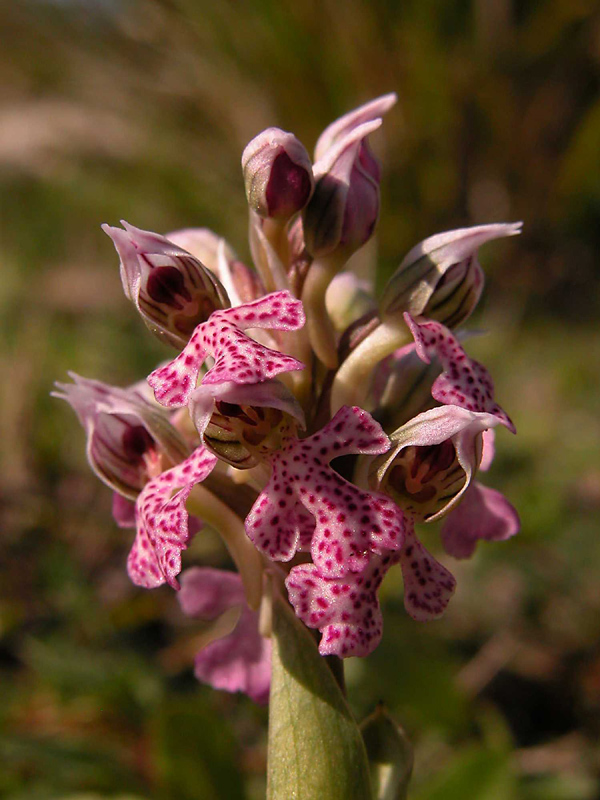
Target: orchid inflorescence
{"x": 282, "y": 371}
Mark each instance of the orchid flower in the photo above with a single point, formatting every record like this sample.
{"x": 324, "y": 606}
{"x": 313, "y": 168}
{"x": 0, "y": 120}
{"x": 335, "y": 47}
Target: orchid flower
{"x": 312, "y": 452}
{"x": 171, "y": 289}
{"x": 129, "y": 439}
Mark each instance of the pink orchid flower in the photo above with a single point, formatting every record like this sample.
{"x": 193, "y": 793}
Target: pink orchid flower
{"x": 318, "y": 449}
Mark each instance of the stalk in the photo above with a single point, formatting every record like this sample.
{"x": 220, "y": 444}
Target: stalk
{"x": 353, "y": 379}
{"x": 205, "y": 505}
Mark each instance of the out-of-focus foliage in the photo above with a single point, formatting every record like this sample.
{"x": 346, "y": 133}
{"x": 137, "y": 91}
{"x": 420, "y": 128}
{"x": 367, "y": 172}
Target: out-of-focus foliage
{"x": 141, "y": 110}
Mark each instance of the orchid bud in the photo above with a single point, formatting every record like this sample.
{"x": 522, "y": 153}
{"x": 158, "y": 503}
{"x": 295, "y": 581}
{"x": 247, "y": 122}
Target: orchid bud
{"x": 344, "y": 208}
{"x": 441, "y": 277}
{"x": 344, "y": 125}
{"x": 277, "y": 174}
{"x": 343, "y": 211}
{"x": 173, "y": 291}
{"x": 128, "y": 438}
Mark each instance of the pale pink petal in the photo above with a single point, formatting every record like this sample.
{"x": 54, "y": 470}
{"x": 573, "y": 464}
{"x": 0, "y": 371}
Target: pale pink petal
{"x": 345, "y": 609}
{"x": 463, "y": 382}
{"x": 125, "y": 433}
{"x": 489, "y": 449}
{"x": 432, "y": 460}
{"x": 484, "y": 513}
{"x": 238, "y": 358}
{"x": 207, "y": 592}
{"x": 348, "y": 122}
{"x": 428, "y": 586}
{"x": 349, "y": 523}
{"x": 240, "y": 661}
{"x": 123, "y": 511}
{"x": 439, "y": 424}
{"x": 162, "y": 521}
{"x": 172, "y": 290}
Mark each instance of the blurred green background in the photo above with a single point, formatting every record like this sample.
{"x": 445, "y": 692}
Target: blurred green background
{"x": 140, "y": 110}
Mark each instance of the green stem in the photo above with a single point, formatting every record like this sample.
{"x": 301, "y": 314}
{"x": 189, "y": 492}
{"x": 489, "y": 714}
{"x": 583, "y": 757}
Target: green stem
{"x": 320, "y": 328}
{"x": 352, "y": 381}
{"x": 271, "y": 269}
{"x": 215, "y": 512}
{"x": 275, "y": 231}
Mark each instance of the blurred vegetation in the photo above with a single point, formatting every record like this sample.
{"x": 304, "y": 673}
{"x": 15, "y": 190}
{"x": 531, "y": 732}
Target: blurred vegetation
{"x": 141, "y": 110}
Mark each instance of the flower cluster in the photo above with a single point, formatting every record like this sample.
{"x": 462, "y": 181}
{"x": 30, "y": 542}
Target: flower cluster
{"x": 312, "y": 426}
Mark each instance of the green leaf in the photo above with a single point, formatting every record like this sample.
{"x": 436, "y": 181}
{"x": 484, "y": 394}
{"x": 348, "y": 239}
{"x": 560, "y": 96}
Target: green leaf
{"x": 390, "y": 755}
{"x": 315, "y": 747}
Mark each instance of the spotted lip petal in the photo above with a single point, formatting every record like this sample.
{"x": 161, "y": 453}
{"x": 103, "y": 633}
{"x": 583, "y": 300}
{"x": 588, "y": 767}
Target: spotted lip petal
{"x": 350, "y": 524}
{"x": 238, "y": 358}
{"x": 428, "y": 586}
{"x": 241, "y": 660}
{"x": 345, "y": 609}
{"x": 162, "y": 522}
{"x": 464, "y": 382}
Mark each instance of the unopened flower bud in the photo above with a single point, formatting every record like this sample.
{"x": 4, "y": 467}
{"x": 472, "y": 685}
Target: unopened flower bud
{"x": 277, "y": 174}
{"x": 402, "y": 387}
{"x": 344, "y": 125}
{"x": 441, "y": 277}
{"x": 343, "y": 211}
{"x": 173, "y": 291}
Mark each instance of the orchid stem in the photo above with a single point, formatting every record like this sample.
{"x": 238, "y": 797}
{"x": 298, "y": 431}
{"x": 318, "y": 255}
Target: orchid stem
{"x": 352, "y": 382}
{"x": 320, "y": 328}
{"x": 205, "y": 505}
